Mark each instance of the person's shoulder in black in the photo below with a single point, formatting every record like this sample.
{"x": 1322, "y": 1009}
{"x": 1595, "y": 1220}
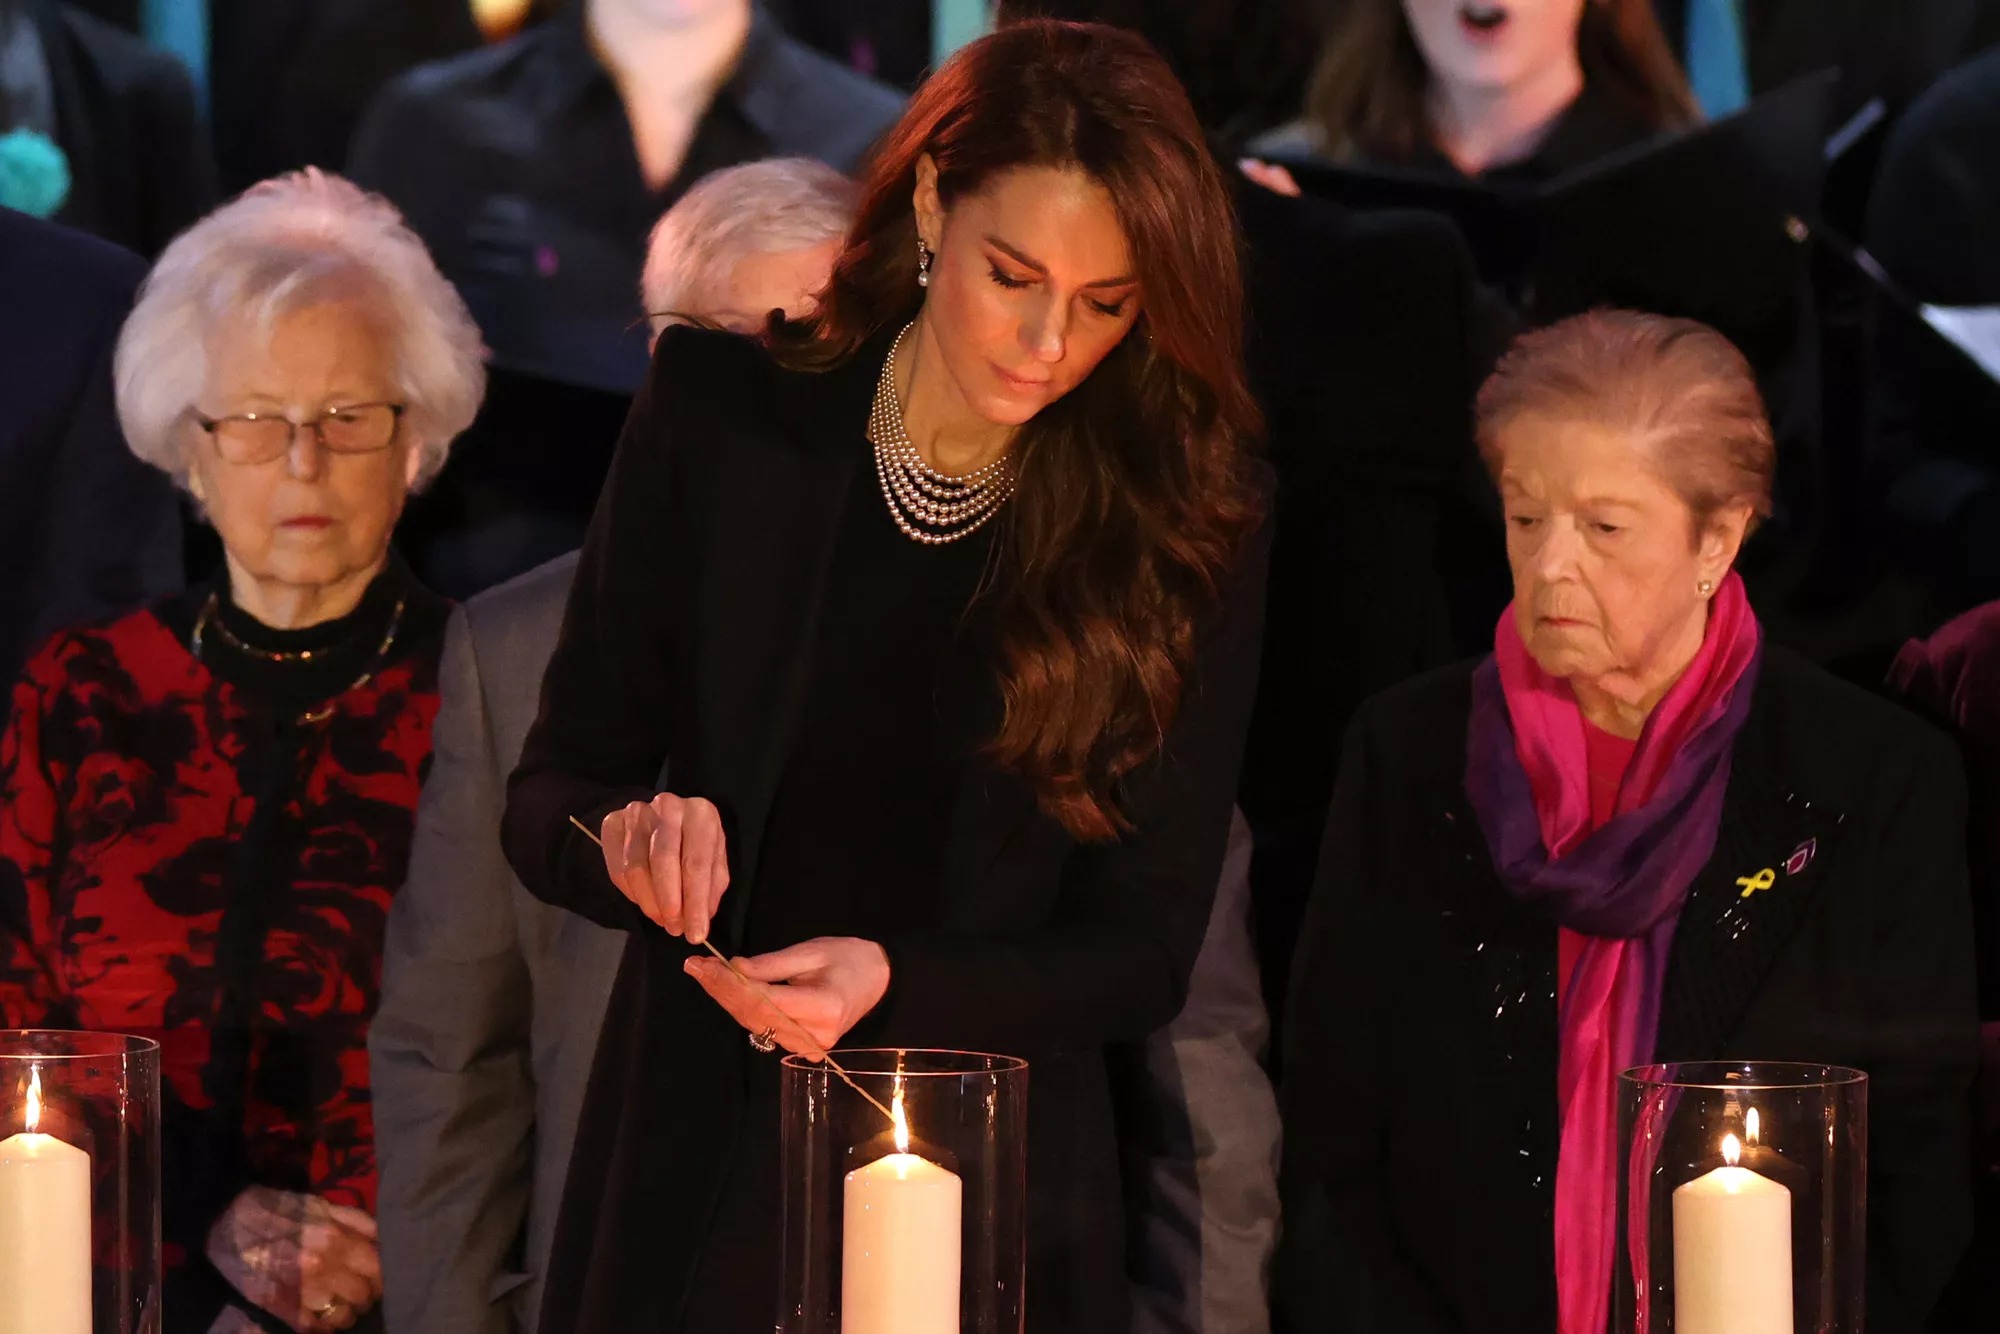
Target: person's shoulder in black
{"x": 810, "y": 104}
{"x": 714, "y": 391}
{"x": 1936, "y": 204}
{"x": 441, "y": 104}
{"x": 85, "y": 528}
{"x": 140, "y": 164}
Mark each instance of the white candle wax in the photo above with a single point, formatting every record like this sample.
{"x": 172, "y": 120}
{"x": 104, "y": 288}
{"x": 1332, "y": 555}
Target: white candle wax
{"x": 899, "y": 1244}
{"x": 1732, "y": 1252}
{"x": 44, "y": 1231}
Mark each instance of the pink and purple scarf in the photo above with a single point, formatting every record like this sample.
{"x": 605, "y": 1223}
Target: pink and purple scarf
{"x": 1622, "y": 886}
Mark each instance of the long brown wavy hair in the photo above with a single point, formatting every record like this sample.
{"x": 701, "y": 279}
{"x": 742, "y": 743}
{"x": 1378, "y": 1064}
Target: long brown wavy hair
{"x": 1134, "y": 489}
{"x": 1367, "y": 98}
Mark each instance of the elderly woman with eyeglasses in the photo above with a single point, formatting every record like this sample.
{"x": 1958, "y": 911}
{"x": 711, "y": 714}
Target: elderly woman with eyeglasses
{"x": 206, "y": 805}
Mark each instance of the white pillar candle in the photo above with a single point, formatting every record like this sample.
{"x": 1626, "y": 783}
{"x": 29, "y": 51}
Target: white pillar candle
{"x": 899, "y": 1255}
{"x": 44, "y": 1230}
{"x": 1732, "y": 1252}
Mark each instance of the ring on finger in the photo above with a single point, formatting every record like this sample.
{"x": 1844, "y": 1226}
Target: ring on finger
{"x": 766, "y": 1041}
{"x": 331, "y": 1309}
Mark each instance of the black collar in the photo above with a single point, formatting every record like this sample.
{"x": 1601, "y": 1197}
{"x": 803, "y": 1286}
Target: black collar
{"x": 569, "y": 71}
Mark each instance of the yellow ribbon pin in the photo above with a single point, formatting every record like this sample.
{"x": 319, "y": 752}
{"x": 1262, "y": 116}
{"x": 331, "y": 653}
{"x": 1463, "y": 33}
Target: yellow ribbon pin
{"x": 1764, "y": 879}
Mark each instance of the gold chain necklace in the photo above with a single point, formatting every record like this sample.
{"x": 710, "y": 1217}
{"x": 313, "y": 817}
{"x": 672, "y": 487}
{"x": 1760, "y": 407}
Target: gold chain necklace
{"x": 319, "y": 715}
{"x": 929, "y": 506}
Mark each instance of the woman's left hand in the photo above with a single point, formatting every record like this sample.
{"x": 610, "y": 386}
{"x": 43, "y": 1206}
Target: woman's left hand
{"x": 824, "y": 988}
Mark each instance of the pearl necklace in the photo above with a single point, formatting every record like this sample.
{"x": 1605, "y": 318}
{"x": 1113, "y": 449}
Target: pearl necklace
{"x": 929, "y": 506}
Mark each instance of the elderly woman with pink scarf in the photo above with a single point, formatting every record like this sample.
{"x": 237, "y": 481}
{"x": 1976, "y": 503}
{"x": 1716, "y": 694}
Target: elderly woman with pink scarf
{"x": 1533, "y": 878}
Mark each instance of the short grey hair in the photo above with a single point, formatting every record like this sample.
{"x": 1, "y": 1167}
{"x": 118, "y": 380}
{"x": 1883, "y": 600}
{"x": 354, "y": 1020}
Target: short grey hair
{"x": 284, "y": 245}
{"x": 779, "y": 204}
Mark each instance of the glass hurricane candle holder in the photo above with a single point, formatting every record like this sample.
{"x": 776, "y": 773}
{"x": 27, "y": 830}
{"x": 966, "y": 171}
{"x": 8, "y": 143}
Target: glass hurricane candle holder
{"x": 1743, "y": 1199}
{"x": 79, "y": 1183}
{"x": 905, "y": 1194}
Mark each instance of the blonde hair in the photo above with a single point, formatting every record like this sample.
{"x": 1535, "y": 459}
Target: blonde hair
{"x": 286, "y": 244}
{"x": 1676, "y": 384}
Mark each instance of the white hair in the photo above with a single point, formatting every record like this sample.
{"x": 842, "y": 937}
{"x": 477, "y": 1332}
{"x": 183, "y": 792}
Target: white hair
{"x": 284, "y": 245}
{"x": 779, "y": 204}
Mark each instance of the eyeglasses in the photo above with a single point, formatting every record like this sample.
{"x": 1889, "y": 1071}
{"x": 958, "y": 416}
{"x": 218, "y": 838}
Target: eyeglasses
{"x": 259, "y": 437}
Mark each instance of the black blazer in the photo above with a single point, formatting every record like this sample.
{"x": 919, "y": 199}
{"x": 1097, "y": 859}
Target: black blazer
{"x": 86, "y": 530}
{"x": 685, "y": 645}
{"x": 140, "y": 166}
{"x": 1420, "y": 1099}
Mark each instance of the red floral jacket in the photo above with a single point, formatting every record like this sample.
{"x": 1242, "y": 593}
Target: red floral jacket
{"x": 123, "y": 812}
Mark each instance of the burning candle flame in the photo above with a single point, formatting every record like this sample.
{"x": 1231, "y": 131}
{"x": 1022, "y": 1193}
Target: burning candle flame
{"x": 902, "y": 1122}
{"x": 1732, "y": 1149}
{"x": 34, "y": 1099}
{"x": 1750, "y": 1126}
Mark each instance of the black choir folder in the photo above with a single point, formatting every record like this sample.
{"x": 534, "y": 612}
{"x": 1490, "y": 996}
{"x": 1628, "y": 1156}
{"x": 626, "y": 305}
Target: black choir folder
{"x": 1707, "y": 223}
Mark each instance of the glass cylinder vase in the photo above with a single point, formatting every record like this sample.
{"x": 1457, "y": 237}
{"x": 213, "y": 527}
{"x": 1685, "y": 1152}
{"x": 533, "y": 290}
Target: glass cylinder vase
{"x": 79, "y": 1183}
{"x": 1743, "y": 1199}
{"x": 905, "y": 1194}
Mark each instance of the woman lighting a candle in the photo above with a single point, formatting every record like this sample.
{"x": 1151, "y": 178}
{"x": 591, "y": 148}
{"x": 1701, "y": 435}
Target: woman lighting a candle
{"x": 938, "y": 615}
{"x": 1635, "y": 832}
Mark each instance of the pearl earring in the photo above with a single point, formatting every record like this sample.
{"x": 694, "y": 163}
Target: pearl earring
{"x": 923, "y": 263}
{"x": 1705, "y": 587}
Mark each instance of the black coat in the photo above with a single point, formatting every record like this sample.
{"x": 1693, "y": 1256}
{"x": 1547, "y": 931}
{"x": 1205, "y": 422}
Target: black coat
{"x": 684, "y": 645}
{"x": 1420, "y": 1098}
{"x": 86, "y": 529}
{"x": 140, "y": 166}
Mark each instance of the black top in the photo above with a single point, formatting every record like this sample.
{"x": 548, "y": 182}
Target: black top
{"x": 515, "y": 164}
{"x": 901, "y": 696}
{"x": 706, "y": 602}
{"x": 1420, "y": 1093}
{"x": 1597, "y": 124}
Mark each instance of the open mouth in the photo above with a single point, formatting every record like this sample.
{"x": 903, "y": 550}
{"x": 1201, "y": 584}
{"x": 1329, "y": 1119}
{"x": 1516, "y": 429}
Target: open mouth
{"x": 1482, "y": 20}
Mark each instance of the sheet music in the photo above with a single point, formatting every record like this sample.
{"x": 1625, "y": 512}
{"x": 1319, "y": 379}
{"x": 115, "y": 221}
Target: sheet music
{"x": 1974, "y": 330}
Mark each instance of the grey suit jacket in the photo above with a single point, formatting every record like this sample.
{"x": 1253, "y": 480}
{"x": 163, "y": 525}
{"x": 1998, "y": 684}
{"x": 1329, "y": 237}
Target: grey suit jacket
{"x": 1201, "y": 1135}
{"x": 491, "y": 1003}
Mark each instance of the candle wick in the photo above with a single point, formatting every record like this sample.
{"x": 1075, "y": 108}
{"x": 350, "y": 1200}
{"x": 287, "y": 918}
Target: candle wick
{"x": 764, "y": 998}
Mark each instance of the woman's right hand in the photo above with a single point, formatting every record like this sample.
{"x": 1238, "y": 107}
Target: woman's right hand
{"x": 667, "y": 855}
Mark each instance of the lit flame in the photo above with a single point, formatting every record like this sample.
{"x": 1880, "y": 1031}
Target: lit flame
{"x": 1750, "y": 1123}
{"x": 1731, "y": 1149}
{"x": 902, "y": 1122}
{"x": 34, "y": 1099}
